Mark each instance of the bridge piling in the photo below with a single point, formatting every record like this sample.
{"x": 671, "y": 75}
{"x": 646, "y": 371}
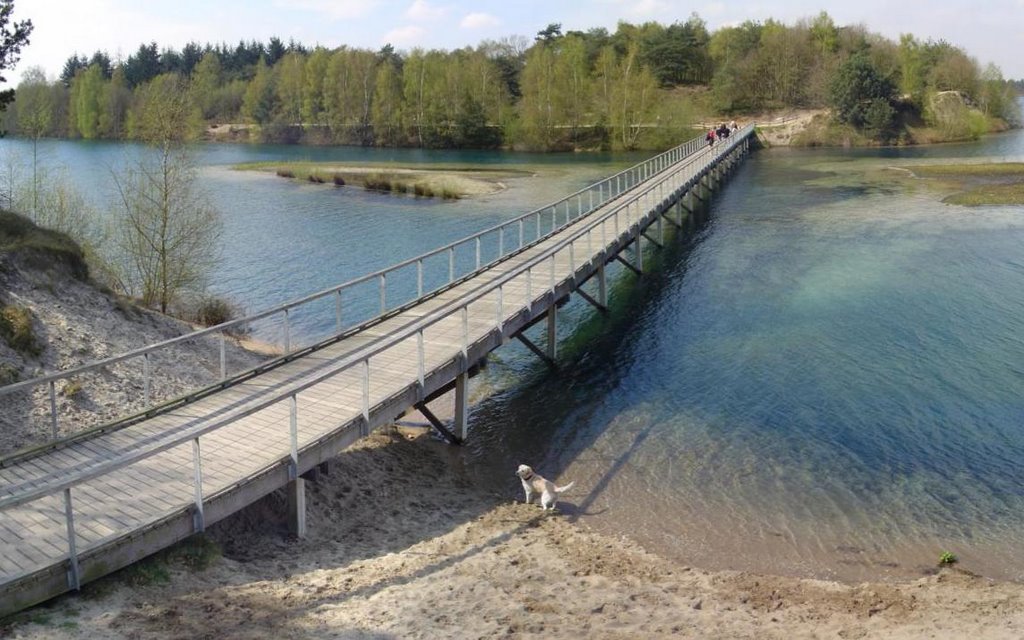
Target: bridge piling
{"x": 297, "y": 507}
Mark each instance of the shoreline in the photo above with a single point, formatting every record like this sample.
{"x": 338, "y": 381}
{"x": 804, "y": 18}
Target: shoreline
{"x": 402, "y": 544}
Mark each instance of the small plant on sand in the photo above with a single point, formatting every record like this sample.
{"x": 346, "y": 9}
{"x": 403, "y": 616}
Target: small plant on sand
{"x": 339, "y": 180}
{"x": 72, "y": 388}
{"x": 947, "y": 559}
{"x": 16, "y": 330}
{"x": 286, "y": 173}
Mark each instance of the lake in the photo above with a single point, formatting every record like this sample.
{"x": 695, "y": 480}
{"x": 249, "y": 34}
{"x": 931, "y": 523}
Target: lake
{"x": 824, "y": 379}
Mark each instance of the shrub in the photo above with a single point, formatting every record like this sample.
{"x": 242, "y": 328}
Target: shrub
{"x": 946, "y": 559}
{"x": 316, "y": 178}
{"x": 9, "y": 374}
{"x": 16, "y": 330}
{"x": 339, "y": 180}
{"x": 212, "y": 310}
{"x": 286, "y": 173}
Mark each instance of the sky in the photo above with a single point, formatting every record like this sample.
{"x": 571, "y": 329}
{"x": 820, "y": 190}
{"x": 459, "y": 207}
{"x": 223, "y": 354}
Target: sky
{"x": 988, "y": 30}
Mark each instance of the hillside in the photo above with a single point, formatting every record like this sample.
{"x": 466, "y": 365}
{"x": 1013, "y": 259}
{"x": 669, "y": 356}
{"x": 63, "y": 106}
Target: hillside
{"x": 55, "y": 318}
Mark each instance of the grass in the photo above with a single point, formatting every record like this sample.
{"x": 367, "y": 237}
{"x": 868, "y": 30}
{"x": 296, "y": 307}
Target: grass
{"x": 447, "y": 181}
{"x": 16, "y": 330}
{"x": 979, "y": 183}
{"x": 41, "y": 247}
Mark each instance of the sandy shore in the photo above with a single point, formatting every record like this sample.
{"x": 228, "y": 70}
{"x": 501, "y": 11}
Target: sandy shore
{"x": 402, "y": 546}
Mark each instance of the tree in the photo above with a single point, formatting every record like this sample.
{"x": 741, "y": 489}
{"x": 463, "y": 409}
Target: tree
{"x": 856, "y": 90}
{"x": 167, "y": 233}
{"x": 12, "y": 38}
{"x": 35, "y": 117}
{"x": 87, "y": 101}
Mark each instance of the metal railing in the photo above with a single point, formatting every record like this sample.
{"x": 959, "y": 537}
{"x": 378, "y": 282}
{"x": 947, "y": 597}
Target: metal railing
{"x": 502, "y": 240}
{"x": 628, "y": 217}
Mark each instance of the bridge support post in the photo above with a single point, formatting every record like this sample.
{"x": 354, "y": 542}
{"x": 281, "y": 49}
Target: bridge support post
{"x": 602, "y": 286}
{"x": 552, "y": 346}
{"x": 462, "y": 405}
{"x": 297, "y": 507}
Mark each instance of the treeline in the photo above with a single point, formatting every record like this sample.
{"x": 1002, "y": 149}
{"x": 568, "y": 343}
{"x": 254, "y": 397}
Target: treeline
{"x": 641, "y": 86}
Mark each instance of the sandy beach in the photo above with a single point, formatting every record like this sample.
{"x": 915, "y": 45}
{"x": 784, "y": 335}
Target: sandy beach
{"x": 401, "y": 545}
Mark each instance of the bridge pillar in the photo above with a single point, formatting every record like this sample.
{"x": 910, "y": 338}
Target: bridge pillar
{"x": 297, "y": 507}
{"x": 552, "y": 333}
{"x": 462, "y": 405}
{"x": 602, "y": 286}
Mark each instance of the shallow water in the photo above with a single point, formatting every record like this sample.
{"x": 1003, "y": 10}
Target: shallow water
{"x": 826, "y": 379}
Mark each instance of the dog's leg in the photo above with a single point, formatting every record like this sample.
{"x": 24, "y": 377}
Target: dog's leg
{"x": 529, "y": 496}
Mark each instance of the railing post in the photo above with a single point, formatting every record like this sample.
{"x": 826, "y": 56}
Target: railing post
{"x": 53, "y": 409}
{"x": 478, "y": 252}
{"x": 366, "y": 396}
{"x": 500, "y": 313}
{"x": 297, "y": 485}
{"x": 145, "y": 378}
{"x": 337, "y": 309}
{"x": 419, "y": 278}
{"x": 465, "y": 334}
{"x": 520, "y": 233}
{"x": 501, "y": 242}
{"x": 199, "y": 519}
{"x": 287, "y": 336}
{"x": 529, "y": 286}
{"x": 420, "y": 361}
{"x": 538, "y": 225}
{"x": 383, "y": 293}
{"x": 552, "y": 278}
{"x": 223, "y": 356}
{"x": 74, "y": 579}
{"x": 451, "y": 265}
{"x": 293, "y": 434}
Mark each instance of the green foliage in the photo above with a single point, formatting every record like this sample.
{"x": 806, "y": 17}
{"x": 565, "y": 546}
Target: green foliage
{"x": 947, "y": 559}
{"x": 859, "y": 90}
{"x": 12, "y": 39}
{"x": 564, "y": 90}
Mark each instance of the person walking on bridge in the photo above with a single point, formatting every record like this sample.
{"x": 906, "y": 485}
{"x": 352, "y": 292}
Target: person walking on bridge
{"x": 710, "y": 137}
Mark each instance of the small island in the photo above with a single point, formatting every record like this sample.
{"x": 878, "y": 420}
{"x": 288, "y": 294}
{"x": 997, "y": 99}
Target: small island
{"x": 976, "y": 184}
{"x": 450, "y": 182}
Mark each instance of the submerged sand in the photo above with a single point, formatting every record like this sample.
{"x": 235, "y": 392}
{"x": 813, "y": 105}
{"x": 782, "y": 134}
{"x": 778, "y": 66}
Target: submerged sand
{"x": 401, "y": 545}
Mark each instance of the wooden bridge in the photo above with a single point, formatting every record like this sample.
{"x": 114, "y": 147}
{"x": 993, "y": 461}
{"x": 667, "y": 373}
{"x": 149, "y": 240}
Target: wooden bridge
{"x": 79, "y": 507}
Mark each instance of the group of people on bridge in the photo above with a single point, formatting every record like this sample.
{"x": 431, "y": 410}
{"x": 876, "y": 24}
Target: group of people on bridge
{"x": 721, "y": 132}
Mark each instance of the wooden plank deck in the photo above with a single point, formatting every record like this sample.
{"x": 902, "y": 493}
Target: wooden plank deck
{"x": 330, "y": 399}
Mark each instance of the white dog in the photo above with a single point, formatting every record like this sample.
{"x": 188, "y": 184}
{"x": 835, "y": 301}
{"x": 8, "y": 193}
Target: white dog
{"x": 533, "y": 483}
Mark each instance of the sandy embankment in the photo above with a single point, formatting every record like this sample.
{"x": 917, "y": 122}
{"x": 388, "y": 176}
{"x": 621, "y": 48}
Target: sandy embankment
{"x": 400, "y": 546}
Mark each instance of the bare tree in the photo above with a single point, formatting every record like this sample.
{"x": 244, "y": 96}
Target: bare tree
{"x": 168, "y": 232}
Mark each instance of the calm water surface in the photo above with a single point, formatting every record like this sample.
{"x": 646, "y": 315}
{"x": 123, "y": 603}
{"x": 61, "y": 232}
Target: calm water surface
{"x": 824, "y": 378}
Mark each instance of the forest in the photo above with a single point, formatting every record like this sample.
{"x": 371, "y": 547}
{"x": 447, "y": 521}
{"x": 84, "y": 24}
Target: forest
{"x": 641, "y": 86}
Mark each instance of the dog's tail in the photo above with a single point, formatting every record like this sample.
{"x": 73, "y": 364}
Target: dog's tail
{"x": 565, "y": 488}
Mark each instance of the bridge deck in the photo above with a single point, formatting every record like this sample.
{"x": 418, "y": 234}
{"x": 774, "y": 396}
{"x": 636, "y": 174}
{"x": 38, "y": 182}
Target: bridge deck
{"x": 244, "y": 430}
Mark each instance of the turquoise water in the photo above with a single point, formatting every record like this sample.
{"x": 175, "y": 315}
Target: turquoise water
{"x": 825, "y": 379}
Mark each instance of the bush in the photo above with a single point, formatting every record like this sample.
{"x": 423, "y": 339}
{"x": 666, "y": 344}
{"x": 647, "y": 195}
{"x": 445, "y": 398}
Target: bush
{"x": 286, "y": 173}
{"x": 212, "y": 310}
{"x": 339, "y": 180}
{"x": 16, "y": 330}
{"x": 946, "y": 559}
{"x": 316, "y": 178}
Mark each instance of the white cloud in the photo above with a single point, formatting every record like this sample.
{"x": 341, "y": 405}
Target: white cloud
{"x": 422, "y": 10}
{"x": 333, "y": 9}
{"x": 405, "y": 36}
{"x": 479, "y": 21}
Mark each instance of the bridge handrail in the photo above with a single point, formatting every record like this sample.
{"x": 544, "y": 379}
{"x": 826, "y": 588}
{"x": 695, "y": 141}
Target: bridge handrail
{"x": 336, "y": 289}
{"x": 361, "y": 355}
